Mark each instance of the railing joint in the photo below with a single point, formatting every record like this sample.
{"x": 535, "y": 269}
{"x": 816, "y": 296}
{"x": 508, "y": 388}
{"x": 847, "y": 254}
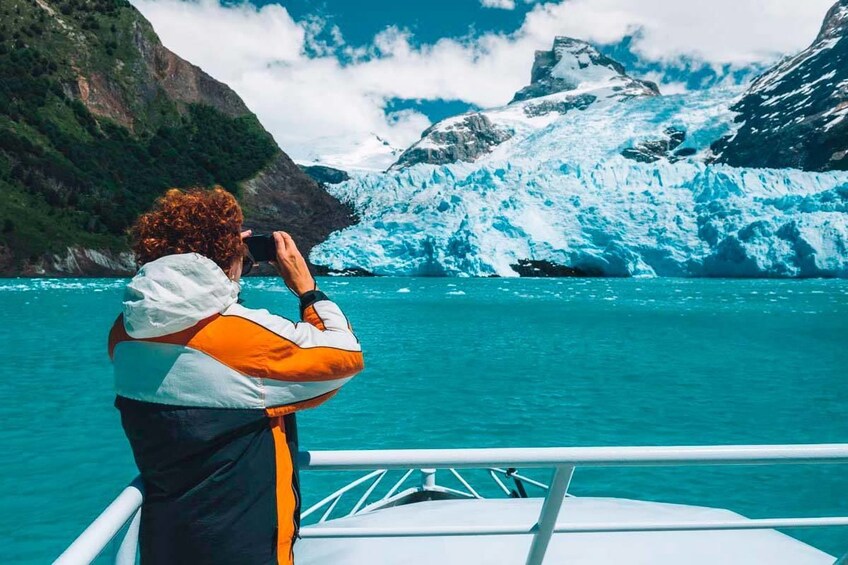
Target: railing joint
{"x": 551, "y": 506}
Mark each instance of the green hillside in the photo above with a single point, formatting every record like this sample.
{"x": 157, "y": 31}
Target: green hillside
{"x": 97, "y": 119}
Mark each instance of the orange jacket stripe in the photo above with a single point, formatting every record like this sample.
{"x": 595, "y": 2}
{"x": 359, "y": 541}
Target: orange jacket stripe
{"x": 290, "y": 408}
{"x": 286, "y": 498}
{"x": 119, "y": 334}
{"x": 310, "y": 315}
{"x": 263, "y": 353}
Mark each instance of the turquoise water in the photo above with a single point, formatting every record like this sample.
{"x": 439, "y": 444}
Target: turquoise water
{"x": 460, "y": 363}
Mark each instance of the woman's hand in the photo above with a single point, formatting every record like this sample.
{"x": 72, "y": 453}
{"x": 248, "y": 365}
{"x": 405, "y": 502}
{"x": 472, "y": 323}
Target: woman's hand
{"x": 291, "y": 265}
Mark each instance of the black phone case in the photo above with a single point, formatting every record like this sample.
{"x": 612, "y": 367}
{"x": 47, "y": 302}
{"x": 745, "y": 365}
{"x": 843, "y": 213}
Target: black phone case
{"x": 261, "y": 247}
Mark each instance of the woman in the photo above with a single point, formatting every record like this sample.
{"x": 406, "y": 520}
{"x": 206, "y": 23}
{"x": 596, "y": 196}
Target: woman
{"x": 207, "y": 388}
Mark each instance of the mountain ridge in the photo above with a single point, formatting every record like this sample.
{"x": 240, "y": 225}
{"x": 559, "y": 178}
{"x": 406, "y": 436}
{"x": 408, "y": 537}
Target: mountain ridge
{"x": 98, "y": 118}
{"x": 793, "y": 115}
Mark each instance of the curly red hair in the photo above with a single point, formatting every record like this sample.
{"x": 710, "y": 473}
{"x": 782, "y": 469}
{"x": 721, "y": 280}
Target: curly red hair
{"x": 207, "y": 222}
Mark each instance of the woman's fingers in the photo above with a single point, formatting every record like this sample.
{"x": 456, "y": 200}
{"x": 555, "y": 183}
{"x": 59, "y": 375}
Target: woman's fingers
{"x": 289, "y": 241}
{"x": 246, "y": 233}
{"x": 288, "y": 244}
{"x": 281, "y": 243}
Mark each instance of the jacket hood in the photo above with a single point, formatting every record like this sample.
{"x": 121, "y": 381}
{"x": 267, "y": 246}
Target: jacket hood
{"x": 175, "y": 292}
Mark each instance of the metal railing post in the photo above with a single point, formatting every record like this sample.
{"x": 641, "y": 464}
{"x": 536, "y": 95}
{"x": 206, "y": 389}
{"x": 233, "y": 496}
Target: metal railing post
{"x": 99, "y": 533}
{"x": 544, "y": 528}
{"x": 128, "y": 550}
{"x": 428, "y": 478}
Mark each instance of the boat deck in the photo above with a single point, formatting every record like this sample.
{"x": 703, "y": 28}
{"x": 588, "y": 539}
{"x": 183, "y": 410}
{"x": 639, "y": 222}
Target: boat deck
{"x": 634, "y": 548}
{"x": 434, "y": 524}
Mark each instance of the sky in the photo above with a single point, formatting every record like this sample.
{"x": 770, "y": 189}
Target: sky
{"x": 334, "y": 80}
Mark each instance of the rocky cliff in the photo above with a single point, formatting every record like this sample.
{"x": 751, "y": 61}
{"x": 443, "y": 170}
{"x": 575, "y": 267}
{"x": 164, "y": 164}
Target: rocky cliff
{"x": 794, "y": 114}
{"x": 461, "y": 138}
{"x": 97, "y": 118}
{"x": 572, "y": 76}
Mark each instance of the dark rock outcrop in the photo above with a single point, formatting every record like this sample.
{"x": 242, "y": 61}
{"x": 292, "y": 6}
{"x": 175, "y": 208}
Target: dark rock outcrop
{"x": 325, "y": 175}
{"x": 796, "y": 114}
{"x": 656, "y": 149}
{"x": 323, "y": 270}
{"x": 453, "y": 140}
{"x": 545, "y": 107}
{"x": 544, "y": 268}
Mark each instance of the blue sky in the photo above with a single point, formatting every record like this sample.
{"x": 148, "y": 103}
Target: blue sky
{"x": 429, "y": 20}
{"x": 336, "y": 80}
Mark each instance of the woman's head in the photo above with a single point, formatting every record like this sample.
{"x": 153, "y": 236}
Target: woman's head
{"x": 207, "y": 222}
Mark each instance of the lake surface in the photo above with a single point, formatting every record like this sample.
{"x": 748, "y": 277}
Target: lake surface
{"x": 470, "y": 363}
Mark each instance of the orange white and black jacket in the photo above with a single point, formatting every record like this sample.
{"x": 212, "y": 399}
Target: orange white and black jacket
{"x": 207, "y": 390}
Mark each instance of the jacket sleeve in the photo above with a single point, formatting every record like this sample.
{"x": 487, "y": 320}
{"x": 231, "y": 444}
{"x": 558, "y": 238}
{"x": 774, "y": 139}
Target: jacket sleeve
{"x": 317, "y": 310}
{"x": 321, "y": 347}
{"x": 246, "y": 358}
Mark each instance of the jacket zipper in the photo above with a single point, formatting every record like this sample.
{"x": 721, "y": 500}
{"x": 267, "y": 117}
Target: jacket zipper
{"x": 296, "y": 516}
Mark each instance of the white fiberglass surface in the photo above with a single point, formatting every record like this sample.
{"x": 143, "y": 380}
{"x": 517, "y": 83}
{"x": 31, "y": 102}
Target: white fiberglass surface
{"x": 631, "y": 548}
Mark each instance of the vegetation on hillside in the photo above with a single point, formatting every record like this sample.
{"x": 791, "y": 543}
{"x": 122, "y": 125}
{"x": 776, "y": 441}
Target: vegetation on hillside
{"x": 69, "y": 177}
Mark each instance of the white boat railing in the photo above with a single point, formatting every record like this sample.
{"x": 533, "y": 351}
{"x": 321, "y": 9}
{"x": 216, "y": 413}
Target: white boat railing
{"x": 427, "y": 482}
{"x": 124, "y": 511}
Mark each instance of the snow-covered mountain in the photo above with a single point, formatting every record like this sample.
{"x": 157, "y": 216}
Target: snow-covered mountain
{"x": 572, "y": 76}
{"x": 572, "y": 64}
{"x": 794, "y": 114}
{"x": 371, "y": 153}
{"x": 619, "y": 185}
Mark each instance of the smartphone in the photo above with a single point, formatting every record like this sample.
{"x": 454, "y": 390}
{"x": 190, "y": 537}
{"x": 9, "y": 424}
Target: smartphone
{"x": 261, "y": 247}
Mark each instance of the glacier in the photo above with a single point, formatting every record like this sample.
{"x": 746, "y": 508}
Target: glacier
{"x": 563, "y": 193}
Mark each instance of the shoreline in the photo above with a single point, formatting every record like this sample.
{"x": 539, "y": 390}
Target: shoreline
{"x": 448, "y": 277}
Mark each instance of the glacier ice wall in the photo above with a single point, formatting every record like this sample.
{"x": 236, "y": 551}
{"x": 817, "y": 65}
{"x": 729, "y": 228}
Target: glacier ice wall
{"x": 564, "y": 194}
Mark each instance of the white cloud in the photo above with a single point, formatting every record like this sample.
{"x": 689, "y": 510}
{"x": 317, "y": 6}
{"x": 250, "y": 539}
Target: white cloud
{"x": 500, "y": 4}
{"x": 233, "y": 40}
{"x": 316, "y": 106}
{"x": 722, "y": 31}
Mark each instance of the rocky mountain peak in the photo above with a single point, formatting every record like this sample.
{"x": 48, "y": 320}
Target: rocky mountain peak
{"x": 794, "y": 114}
{"x": 572, "y": 77}
{"x": 835, "y": 22}
{"x": 572, "y": 63}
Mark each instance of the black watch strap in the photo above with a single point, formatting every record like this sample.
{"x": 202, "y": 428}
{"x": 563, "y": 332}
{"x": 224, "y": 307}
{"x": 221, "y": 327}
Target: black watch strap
{"x": 309, "y": 298}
